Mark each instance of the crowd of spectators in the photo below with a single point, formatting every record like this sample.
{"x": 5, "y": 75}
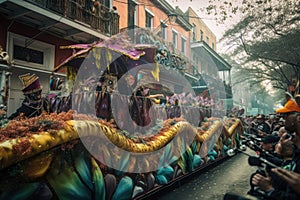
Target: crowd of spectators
{"x": 279, "y": 136}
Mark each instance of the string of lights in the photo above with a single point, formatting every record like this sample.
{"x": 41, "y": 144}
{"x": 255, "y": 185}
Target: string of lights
{"x": 154, "y": 6}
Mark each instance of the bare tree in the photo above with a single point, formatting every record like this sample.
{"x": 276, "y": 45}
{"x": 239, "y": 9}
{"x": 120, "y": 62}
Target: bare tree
{"x": 265, "y": 44}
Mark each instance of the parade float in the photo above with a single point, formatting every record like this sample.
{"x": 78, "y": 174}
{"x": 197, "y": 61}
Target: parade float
{"x": 105, "y": 141}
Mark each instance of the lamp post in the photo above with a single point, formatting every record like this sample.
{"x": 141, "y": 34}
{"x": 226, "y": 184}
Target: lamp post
{"x": 172, "y": 17}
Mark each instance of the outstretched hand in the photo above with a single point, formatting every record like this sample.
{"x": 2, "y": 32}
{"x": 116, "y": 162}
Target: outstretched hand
{"x": 292, "y": 178}
{"x": 262, "y": 182}
{"x": 284, "y": 139}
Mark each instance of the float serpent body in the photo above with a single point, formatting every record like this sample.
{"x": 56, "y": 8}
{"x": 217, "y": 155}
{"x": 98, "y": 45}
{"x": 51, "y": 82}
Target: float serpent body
{"x": 49, "y": 155}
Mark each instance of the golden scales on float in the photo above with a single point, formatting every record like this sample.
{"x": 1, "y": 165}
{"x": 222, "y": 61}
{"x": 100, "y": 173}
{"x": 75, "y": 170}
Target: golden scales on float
{"x": 111, "y": 144}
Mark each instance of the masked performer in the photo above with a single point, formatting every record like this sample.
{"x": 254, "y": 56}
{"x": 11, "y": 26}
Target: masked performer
{"x": 34, "y": 104}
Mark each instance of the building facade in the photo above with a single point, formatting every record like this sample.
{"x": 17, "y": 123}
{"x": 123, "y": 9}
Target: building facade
{"x": 200, "y": 31}
{"x": 155, "y": 15}
{"x": 215, "y": 71}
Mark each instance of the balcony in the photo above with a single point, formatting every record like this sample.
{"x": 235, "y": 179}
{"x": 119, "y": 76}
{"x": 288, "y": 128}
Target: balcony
{"x": 100, "y": 18}
{"x": 204, "y": 51}
{"x": 75, "y": 20}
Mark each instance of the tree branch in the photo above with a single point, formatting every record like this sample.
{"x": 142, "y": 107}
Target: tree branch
{"x": 272, "y": 27}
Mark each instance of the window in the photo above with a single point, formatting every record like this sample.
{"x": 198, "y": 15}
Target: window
{"x": 149, "y": 19}
{"x": 175, "y": 38}
{"x": 183, "y": 45}
{"x": 29, "y": 52}
{"x": 213, "y": 45}
{"x": 201, "y": 35}
{"x": 132, "y": 14}
{"x": 194, "y": 33}
{"x": 207, "y": 39}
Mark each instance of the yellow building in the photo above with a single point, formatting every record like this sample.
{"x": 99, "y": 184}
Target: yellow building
{"x": 200, "y": 31}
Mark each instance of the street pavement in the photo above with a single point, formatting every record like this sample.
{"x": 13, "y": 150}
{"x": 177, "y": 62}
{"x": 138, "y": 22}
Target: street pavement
{"x": 230, "y": 176}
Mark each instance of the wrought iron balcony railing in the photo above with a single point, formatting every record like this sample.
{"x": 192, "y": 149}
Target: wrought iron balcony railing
{"x": 97, "y": 17}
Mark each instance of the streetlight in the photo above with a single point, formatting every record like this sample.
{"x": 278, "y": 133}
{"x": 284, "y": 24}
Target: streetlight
{"x": 171, "y": 18}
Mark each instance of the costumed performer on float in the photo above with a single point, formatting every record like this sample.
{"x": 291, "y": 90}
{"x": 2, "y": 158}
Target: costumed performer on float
{"x": 34, "y": 104}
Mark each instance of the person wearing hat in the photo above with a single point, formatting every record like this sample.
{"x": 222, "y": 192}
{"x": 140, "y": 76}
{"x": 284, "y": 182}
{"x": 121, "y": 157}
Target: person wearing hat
{"x": 268, "y": 143}
{"x": 290, "y": 107}
{"x": 291, "y": 114}
{"x": 263, "y": 128}
{"x": 34, "y": 104}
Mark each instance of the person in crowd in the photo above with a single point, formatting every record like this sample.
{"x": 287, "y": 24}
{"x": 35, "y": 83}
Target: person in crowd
{"x": 273, "y": 121}
{"x": 34, "y": 104}
{"x": 272, "y": 180}
{"x": 292, "y": 178}
{"x": 281, "y": 131}
{"x": 263, "y": 127}
{"x": 291, "y": 113}
{"x": 268, "y": 143}
{"x": 278, "y": 124}
{"x": 286, "y": 152}
{"x": 254, "y": 123}
{"x": 269, "y": 120}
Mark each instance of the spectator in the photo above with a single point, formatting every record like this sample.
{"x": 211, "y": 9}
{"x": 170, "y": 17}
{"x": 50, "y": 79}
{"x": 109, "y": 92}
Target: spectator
{"x": 292, "y": 178}
{"x": 291, "y": 112}
{"x": 278, "y": 124}
{"x": 281, "y": 131}
{"x": 268, "y": 143}
{"x": 263, "y": 128}
{"x": 285, "y": 151}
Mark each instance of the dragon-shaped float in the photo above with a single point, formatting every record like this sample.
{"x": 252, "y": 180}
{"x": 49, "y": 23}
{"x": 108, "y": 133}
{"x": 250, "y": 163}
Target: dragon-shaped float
{"x": 96, "y": 145}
